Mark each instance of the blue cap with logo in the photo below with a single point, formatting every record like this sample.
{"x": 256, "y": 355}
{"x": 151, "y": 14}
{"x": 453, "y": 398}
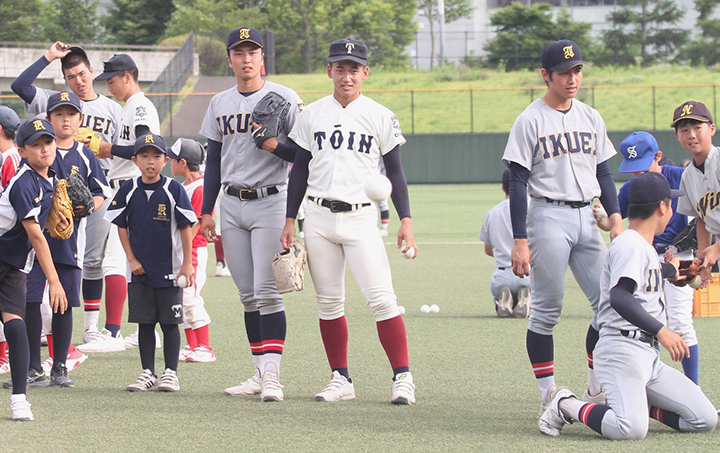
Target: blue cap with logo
{"x": 64, "y": 98}
{"x": 30, "y": 131}
{"x": 9, "y": 120}
{"x": 650, "y": 187}
{"x": 244, "y": 34}
{"x": 119, "y": 62}
{"x": 190, "y": 150}
{"x": 150, "y": 140}
{"x": 561, "y": 55}
{"x": 348, "y": 50}
{"x": 638, "y": 150}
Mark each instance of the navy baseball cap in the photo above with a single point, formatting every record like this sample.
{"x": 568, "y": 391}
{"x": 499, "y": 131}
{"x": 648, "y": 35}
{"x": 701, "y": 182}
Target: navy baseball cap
{"x": 31, "y": 130}
{"x": 150, "y": 140}
{"x": 561, "y": 55}
{"x": 9, "y": 120}
{"x": 348, "y": 50}
{"x": 119, "y": 62}
{"x": 190, "y": 150}
{"x": 692, "y": 110}
{"x": 75, "y": 50}
{"x": 244, "y": 34}
{"x": 638, "y": 150}
{"x": 64, "y": 98}
{"x": 650, "y": 187}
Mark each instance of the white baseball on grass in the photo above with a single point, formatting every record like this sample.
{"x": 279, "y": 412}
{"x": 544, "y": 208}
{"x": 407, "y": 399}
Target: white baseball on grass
{"x": 434, "y": 308}
{"x": 378, "y": 187}
{"x": 425, "y": 309}
{"x": 409, "y": 253}
{"x": 401, "y": 309}
{"x": 182, "y": 282}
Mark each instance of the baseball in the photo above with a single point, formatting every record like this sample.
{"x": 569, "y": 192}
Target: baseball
{"x": 434, "y": 308}
{"x": 182, "y": 282}
{"x": 601, "y": 212}
{"x": 409, "y": 254}
{"x": 401, "y": 309}
{"x": 378, "y": 187}
{"x": 425, "y": 309}
{"x": 695, "y": 283}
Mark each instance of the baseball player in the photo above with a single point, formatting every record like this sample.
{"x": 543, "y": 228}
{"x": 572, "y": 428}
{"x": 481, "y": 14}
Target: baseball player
{"x": 102, "y": 115}
{"x": 138, "y": 117}
{"x": 631, "y": 319}
{"x": 510, "y": 292}
{"x": 340, "y": 141}
{"x": 640, "y": 154}
{"x": 10, "y": 161}
{"x": 254, "y": 184}
{"x": 557, "y": 152}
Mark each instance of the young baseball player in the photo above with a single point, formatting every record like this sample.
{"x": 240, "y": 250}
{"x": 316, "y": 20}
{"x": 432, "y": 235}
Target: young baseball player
{"x": 631, "y": 319}
{"x": 186, "y": 156}
{"x": 254, "y": 184}
{"x": 155, "y": 218}
{"x": 9, "y": 122}
{"x": 641, "y": 154}
{"x": 558, "y": 153}
{"x": 138, "y": 118}
{"x": 102, "y": 115}
{"x": 340, "y": 142}
{"x": 24, "y": 206}
{"x": 510, "y": 292}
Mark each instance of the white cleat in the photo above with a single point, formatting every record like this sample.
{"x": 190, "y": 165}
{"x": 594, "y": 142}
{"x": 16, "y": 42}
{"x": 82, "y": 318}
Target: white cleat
{"x": 221, "y": 270}
{"x": 252, "y": 386}
{"x": 202, "y": 354}
{"x": 271, "y": 388}
{"x": 102, "y": 342}
{"x": 600, "y": 398}
{"x": 5, "y": 366}
{"x": 552, "y": 420}
{"x": 339, "y": 389}
{"x": 169, "y": 381}
{"x": 403, "y": 390}
{"x": 21, "y": 409}
{"x": 522, "y": 309}
{"x": 145, "y": 382}
{"x": 185, "y": 353}
{"x": 505, "y": 304}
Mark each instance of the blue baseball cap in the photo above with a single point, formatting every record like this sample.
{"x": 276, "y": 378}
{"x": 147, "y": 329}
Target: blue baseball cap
{"x": 638, "y": 150}
{"x": 650, "y": 187}
{"x": 31, "y": 130}
{"x": 9, "y": 120}
{"x": 150, "y": 140}
{"x": 64, "y": 98}
{"x": 244, "y": 34}
{"x": 119, "y": 62}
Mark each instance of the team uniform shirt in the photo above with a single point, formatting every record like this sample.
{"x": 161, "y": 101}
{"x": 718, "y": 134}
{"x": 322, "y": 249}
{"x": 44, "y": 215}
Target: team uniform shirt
{"x": 630, "y": 256}
{"x": 229, "y": 120}
{"x": 496, "y": 232}
{"x": 153, "y": 215}
{"x": 10, "y": 163}
{"x": 194, "y": 192}
{"x": 678, "y": 222}
{"x": 27, "y": 196}
{"x": 138, "y": 111}
{"x": 78, "y": 159}
{"x": 346, "y": 145}
{"x": 702, "y": 192}
{"x": 561, "y": 150}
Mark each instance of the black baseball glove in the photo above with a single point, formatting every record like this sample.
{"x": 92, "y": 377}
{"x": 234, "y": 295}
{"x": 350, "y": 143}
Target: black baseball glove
{"x": 270, "y": 112}
{"x": 687, "y": 238}
{"x": 83, "y": 203}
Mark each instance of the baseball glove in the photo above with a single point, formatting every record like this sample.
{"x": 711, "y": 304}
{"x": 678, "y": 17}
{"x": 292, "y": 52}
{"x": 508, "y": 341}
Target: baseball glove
{"x": 61, "y": 203}
{"x": 289, "y": 269}
{"x": 270, "y": 113}
{"x": 82, "y": 200}
{"x": 687, "y": 238}
{"x": 95, "y": 139}
{"x": 688, "y": 269}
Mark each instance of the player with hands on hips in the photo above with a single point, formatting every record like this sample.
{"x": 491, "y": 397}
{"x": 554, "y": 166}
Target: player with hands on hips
{"x": 252, "y": 208}
{"x": 631, "y": 319}
{"x": 339, "y": 142}
{"x": 558, "y": 154}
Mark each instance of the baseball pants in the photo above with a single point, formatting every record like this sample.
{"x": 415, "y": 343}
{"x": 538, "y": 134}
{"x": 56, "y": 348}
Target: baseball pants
{"x": 506, "y": 278}
{"x": 679, "y": 305}
{"x": 195, "y": 315}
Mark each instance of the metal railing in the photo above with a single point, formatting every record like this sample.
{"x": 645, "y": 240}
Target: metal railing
{"x": 172, "y": 80}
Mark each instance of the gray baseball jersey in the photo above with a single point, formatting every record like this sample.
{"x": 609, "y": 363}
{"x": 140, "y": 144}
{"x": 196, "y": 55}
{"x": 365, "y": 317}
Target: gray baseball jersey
{"x": 138, "y": 111}
{"x": 496, "y": 232}
{"x": 702, "y": 192}
{"x": 229, "y": 120}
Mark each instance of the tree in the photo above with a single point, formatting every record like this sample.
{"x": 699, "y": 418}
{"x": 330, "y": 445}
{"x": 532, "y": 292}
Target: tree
{"x": 70, "y": 21}
{"x": 213, "y": 16}
{"x": 523, "y": 32}
{"x": 454, "y": 10}
{"x": 706, "y": 49}
{"x": 140, "y": 22}
{"x": 18, "y": 19}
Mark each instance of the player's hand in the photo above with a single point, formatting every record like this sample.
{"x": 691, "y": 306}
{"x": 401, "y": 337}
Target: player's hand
{"x": 287, "y": 238}
{"x": 58, "y": 300}
{"x": 57, "y": 50}
{"x": 105, "y": 151}
{"x": 135, "y": 267}
{"x": 616, "y": 225}
{"x": 674, "y": 343}
{"x": 208, "y": 228}
{"x": 601, "y": 218}
{"x": 64, "y": 223}
{"x": 270, "y": 143}
{"x": 520, "y": 258}
{"x": 405, "y": 233}
{"x": 187, "y": 271}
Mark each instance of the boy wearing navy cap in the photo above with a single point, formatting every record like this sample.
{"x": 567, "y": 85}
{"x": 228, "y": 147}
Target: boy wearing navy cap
{"x": 186, "y": 157}
{"x": 25, "y": 205}
{"x": 631, "y": 321}
{"x": 154, "y": 219}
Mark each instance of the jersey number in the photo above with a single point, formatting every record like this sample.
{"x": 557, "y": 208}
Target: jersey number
{"x": 654, "y": 279}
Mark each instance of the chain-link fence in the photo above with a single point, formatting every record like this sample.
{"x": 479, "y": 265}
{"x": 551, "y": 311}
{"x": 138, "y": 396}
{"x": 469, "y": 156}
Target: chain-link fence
{"x": 173, "y": 78}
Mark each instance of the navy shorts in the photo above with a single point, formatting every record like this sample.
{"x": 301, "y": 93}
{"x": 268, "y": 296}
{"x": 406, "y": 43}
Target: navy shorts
{"x": 148, "y": 305}
{"x": 70, "y": 279}
{"x": 13, "y": 286}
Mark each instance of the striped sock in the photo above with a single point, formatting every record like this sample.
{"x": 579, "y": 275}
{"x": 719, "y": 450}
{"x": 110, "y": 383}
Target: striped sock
{"x": 274, "y": 329}
{"x": 540, "y": 349}
{"x": 252, "y": 328}
{"x": 668, "y": 418}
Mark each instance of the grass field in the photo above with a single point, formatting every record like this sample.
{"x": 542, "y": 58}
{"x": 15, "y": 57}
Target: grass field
{"x": 475, "y": 388}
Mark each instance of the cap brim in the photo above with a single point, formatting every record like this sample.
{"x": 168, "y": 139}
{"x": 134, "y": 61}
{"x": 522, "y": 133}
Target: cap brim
{"x": 568, "y": 65}
{"x": 244, "y": 41}
{"x": 636, "y": 165}
{"x": 106, "y": 75}
{"x": 171, "y": 154}
{"x": 354, "y": 59}
{"x": 674, "y": 193}
{"x": 151, "y": 145}
{"x": 76, "y": 50}
{"x": 61, "y": 103}
{"x": 690, "y": 117}
{"x": 35, "y": 136}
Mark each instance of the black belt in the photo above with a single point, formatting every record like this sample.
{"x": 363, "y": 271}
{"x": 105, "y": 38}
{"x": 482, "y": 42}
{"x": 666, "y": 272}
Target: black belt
{"x": 338, "y": 206}
{"x": 501, "y": 268}
{"x": 116, "y": 183}
{"x": 642, "y": 336}
{"x": 251, "y": 194}
{"x": 572, "y": 204}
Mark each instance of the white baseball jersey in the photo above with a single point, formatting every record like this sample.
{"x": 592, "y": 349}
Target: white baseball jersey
{"x": 631, "y": 256}
{"x": 229, "y": 120}
{"x": 702, "y": 192}
{"x": 138, "y": 111}
{"x": 561, "y": 150}
{"x": 347, "y": 145}
{"x": 496, "y": 232}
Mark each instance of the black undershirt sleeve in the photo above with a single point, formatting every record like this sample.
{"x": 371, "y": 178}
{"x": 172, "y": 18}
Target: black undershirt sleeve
{"x": 286, "y": 151}
{"x": 396, "y": 175}
{"x": 623, "y": 301}
{"x": 211, "y": 181}
{"x": 23, "y": 85}
{"x": 128, "y": 151}
{"x": 519, "y": 177}
{"x": 608, "y": 192}
{"x": 297, "y": 184}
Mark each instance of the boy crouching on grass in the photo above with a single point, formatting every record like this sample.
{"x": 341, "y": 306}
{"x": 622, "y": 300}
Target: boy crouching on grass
{"x": 154, "y": 219}
{"x": 24, "y": 206}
